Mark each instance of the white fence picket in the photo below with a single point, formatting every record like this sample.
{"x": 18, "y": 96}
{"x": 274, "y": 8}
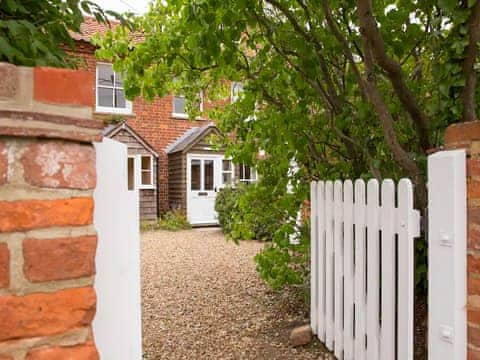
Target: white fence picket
{"x": 329, "y": 283}
{"x": 348, "y": 269}
{"x": 363, "y": 281}
{"x": 373, "y": 273}
{"x": 314, "y": 261}
{"x": 360, "y": 271}
{"x": 320, "y": 238}
{"x": 408, "y": 228}
{"x": 387, "y": 343}
{"x": 338, "y": 265}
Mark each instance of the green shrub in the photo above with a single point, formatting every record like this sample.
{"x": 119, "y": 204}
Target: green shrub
{"x": 148, "y": 225}
{"x": 248, "y": 212}
{"x": 173, "y": 220}
{"x": 265, "y": 211}
{"x": 227, "y": 207}
{"x": 280, "y": 263}
{"x": 260, "y": 214}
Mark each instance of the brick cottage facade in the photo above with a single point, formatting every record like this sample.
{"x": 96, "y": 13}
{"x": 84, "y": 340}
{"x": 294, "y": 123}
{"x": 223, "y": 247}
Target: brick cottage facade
{"x": 150, "y": 129}
{"x": 153, "y": 121}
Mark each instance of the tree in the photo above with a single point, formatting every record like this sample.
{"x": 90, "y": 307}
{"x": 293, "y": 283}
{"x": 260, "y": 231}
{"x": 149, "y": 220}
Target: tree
{"x": 347, "y": 88}
{"x": 36, "y": 32}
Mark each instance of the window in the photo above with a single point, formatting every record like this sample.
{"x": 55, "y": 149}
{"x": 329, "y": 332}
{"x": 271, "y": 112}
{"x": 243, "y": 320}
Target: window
{"x": 131, "y": 173}
{"x": 195, "y": 168}
{"x": 146, "y": 170}
{"x": 235, "y": 91}
{"x": 109, "y": 91}
{"x": 140, "y": 172}
{"x": 208, "y": 175}
{"x": 180, "y": 106}
{"x": 227, "y": 172}
{"x": 247, "y": 174}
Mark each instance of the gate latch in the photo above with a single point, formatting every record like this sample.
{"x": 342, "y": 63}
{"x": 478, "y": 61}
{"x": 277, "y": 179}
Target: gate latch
{"x": 445, "y": 239}
{"x": 446, "y": 333}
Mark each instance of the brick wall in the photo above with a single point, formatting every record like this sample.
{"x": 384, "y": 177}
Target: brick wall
{"x": 47, "y": 238}
{"x": 153, "y": 121}
{"x": 467, "y": 135}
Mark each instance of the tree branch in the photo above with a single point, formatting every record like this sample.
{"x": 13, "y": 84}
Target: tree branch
{"x": 369, "y": 29}
{"x": 471, "y": 53}
{"x": 370, "y": 92}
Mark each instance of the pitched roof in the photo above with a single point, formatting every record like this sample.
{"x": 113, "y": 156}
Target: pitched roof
{"x": 111, "y": 130}
{"x": 189, "y": 138}
{"x": 91, "y": 26}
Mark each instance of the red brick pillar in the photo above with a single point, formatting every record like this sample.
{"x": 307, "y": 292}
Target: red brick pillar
{"x": 47, "y": 238}
{"x": 467, "y": 135}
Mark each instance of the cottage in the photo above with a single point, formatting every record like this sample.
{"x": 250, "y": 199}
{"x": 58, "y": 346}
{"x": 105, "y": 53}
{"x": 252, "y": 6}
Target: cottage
{"x": 171, "y": 161}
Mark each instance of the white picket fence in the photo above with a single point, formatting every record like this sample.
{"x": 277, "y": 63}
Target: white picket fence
{"x": 362, "y": 268}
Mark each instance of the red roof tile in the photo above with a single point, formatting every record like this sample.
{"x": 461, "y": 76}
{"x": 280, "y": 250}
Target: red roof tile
{"x": 90, "y": 27}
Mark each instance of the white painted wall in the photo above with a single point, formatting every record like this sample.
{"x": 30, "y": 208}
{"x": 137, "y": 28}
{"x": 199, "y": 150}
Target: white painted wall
{"x": 117, "y": 324}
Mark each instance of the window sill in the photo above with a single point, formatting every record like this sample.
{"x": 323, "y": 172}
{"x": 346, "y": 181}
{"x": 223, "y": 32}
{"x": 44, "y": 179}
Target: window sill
{"x": 113, "y": 111}
{"x": 180, "y": 116}
{"x": 185, "y": 117}
{"x": 146, "y": 187}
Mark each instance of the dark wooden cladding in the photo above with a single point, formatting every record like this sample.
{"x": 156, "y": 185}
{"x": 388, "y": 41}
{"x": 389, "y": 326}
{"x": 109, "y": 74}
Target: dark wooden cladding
{"x": 177, "y": 179}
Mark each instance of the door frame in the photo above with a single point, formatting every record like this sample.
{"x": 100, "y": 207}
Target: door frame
{"x": 217, "y": 174}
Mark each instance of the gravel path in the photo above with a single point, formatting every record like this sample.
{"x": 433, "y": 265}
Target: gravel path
{"x": 202, "y": 299}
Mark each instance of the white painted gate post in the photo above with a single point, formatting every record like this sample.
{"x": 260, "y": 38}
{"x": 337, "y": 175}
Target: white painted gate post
{"x": 447, "y": 256}
{"x": 117, "y": 324}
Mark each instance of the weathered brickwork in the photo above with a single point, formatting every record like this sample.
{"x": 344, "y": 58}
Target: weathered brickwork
{"x": 467, "y": 135}
{"x": 47, "y": 238}
{"x": 3, "y": 164}
{"x": 42, "y": 314}
{"x": 4, "y": 268}
{"x": 152, "y": 120}
{"x": 36, "y": 214}
{"x": 59, "y": 259}
{"x": 59, "y": 164}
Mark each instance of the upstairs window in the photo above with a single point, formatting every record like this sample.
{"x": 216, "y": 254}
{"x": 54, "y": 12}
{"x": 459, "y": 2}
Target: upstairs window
{"x": 235, "y": 91}
{"x": 180, "y": 106}
{"x": 110, "y": 95}
{"x": 247, "y": 174}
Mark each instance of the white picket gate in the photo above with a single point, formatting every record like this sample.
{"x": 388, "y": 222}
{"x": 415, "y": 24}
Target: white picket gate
{"x": 362, "y": 261}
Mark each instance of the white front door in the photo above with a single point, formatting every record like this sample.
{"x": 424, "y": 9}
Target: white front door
{"x": 203, "y": 182}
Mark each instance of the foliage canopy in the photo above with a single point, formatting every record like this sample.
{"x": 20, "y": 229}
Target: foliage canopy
{"x": 347, "y": 88}
{"x": 36, "y": 33}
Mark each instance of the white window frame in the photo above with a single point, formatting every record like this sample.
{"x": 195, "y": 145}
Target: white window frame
{"x": 137, "y": 172}
{"x": 106, "y": 109}
{"x": 231, "y": 171}
{"x": 233, "y": 97}
{"x": 134, "y": 172}
{"x": 140, "y": 172}
{"x": 252, "y": 171}
{"x": 184, "y": 115}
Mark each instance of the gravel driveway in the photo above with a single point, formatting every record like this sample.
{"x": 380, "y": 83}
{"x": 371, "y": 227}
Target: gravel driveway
{"x": 202, "y": 299}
